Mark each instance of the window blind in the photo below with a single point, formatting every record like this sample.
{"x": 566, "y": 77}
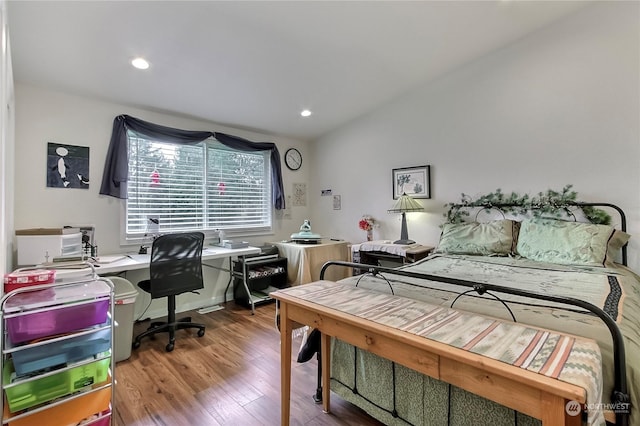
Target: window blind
{"x": 205, "y": 186}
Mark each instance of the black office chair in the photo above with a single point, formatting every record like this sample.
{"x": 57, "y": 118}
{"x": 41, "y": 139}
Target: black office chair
{"x": 175, "y": 268}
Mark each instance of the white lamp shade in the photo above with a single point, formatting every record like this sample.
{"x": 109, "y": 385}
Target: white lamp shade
{"x": 403, "y": 205}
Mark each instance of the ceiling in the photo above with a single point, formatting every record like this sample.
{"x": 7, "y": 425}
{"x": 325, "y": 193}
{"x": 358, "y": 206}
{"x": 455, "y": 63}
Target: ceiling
{"x": 256, "y": 64}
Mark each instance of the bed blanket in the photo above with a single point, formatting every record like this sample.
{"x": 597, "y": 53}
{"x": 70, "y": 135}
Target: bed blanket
{"x": 616, "y": 290}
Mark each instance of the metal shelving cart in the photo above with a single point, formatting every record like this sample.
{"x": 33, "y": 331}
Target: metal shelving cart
{"x": 57, "y": 359}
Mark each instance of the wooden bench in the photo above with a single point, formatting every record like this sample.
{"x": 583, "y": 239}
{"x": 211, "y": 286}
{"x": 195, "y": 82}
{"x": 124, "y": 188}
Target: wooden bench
{"x": 528, "y": 392}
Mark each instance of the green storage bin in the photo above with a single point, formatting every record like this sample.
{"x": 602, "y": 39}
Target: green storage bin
{"x": 26, "y": 393}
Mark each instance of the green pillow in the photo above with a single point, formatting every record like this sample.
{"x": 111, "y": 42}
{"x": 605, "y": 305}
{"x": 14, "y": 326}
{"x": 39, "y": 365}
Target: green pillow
{"x": 491, "y": 238}
{"x": 616, "y": 242}
{"x": 568, "y": 243}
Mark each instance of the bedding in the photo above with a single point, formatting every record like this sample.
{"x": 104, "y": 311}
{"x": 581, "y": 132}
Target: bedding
{"x": 493, "y": 238}
{"x": 613, "y": 288}
{"x": 570, "y": 243}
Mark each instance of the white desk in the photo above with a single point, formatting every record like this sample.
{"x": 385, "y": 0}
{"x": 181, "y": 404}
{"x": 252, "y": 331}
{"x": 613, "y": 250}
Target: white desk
{"x": 132, "y": 262}
{"x": 141, "y": 261}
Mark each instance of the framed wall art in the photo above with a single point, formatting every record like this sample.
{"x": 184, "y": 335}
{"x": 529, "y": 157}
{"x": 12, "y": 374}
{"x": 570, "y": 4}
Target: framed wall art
{"x": 67, "y": 166}
{"x": 413, "y": 181}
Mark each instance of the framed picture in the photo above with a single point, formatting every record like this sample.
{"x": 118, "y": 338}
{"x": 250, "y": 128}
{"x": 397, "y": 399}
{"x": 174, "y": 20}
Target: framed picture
{"x": 67, "y": 166}
{"x": 414, "y": 181}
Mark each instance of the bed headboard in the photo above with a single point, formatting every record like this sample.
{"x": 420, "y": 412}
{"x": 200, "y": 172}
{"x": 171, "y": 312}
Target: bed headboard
{"x": 599, "y": 213}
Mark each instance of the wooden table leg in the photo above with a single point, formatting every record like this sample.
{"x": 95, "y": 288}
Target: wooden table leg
{"x": 325, "y": 356}
{"x": 285, "y": 364}
{"x": 554, "y": 412}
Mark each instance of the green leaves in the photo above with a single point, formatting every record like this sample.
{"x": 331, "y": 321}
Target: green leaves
{"x": 549, "y": 204}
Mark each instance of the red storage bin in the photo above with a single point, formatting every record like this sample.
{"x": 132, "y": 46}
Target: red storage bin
{"x": 28, "y": 277}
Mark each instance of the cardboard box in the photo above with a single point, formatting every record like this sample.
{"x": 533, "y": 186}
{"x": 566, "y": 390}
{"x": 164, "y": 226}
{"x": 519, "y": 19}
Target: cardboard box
{"x": 47, "y": 231}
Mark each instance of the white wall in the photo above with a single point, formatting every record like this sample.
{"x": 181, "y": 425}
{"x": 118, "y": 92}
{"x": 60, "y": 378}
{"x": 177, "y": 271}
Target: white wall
{"x": 558, "y": 107}
{"x": 44, "y": 116}
{"x": 6, "y": 144}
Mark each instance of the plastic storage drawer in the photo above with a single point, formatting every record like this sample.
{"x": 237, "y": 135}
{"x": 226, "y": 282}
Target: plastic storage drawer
{"x": 27, "y": 359}
{"x": 60, "y": 320}
{"x": 27, "y": 393}
{"x": 98, "y": 419}
{"x": 71, "y": 412}
{"x": 57, "y": 310}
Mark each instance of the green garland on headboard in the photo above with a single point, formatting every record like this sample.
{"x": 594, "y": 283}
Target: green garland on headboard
{"x": 549, "y": 203}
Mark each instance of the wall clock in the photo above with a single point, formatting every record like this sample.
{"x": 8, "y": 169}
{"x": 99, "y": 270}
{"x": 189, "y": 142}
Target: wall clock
{"x": 293, "y": 159}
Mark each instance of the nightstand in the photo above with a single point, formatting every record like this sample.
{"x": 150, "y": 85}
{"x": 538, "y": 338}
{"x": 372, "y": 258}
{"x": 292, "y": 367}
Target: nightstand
{"x": 383, "y": 253}
{"x": 416, "y": 253}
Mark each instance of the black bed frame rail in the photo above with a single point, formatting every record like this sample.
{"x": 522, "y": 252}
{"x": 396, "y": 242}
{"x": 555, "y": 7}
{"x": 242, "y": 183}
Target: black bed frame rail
{"x": 620, "y": 397}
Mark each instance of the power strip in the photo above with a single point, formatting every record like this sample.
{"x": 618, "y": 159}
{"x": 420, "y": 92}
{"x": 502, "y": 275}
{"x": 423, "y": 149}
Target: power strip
{"x": 207, "y": 309}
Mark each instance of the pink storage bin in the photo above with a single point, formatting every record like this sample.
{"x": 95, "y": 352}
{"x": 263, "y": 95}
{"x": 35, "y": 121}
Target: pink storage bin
{"x": 56, "y": 321}
{"x": 103, "y": 420}
{"x": 58, "y": 310}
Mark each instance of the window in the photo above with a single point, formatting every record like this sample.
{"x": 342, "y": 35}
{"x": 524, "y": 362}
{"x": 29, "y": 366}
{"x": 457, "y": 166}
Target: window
{"x": 206, "y": 186}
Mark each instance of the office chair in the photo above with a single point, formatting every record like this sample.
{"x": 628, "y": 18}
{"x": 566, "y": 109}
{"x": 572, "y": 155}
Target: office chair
{"x": 175, "y": 268}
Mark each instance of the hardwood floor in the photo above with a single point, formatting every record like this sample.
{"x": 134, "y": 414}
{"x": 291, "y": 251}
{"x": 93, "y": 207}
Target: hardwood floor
{"x": 230, "y": 376}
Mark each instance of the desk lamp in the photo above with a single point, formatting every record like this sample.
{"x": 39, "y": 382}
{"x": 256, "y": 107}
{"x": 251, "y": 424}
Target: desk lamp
{"x": 403, "y": 205}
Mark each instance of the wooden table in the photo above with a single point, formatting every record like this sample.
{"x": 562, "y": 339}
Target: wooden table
{"x": 530, "y": 393}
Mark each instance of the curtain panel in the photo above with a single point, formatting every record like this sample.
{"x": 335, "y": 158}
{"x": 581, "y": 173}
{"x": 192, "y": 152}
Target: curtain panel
{"x": 116, "y": 168}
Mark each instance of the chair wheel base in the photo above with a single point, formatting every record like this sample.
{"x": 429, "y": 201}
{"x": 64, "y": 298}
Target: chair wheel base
{"x": 170, "y": 328}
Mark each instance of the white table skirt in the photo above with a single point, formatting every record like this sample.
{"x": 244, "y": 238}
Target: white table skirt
{"x": 304, "y": 261}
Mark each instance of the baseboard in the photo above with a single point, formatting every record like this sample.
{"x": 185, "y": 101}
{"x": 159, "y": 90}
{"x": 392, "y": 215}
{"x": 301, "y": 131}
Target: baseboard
{"x": 183, "y": 307}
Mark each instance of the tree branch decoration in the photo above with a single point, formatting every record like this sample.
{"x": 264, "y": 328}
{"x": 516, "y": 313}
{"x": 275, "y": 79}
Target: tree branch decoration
{"x": 549, "y": 204}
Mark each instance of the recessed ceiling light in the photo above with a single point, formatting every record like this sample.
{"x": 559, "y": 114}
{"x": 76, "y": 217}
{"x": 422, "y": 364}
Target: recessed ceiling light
{"x": 305, "y": 113}
{"x": 140, "y": 63}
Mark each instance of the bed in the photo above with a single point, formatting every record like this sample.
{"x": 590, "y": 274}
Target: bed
{"x": 515, "y": 269}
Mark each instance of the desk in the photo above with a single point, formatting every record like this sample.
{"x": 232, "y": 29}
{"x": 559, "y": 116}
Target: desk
{"x": 132, "y": 262}
{"x": 304, "y": 261}
{"x": 360, "y": 324}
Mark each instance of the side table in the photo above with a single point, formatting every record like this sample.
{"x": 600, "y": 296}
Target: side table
{"x": 381, "y": 252}
{"x": 305, "y": 260}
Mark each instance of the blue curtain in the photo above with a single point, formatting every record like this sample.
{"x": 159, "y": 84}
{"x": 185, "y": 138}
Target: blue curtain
{"x": 116, "y": 168}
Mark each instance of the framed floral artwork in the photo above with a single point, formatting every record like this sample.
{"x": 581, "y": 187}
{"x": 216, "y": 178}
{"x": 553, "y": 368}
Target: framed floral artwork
{"x": 413, "y": 181}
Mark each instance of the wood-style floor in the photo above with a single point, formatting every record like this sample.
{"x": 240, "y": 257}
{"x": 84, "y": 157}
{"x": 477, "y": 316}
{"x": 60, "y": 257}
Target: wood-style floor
{"x": 230, "y": 376}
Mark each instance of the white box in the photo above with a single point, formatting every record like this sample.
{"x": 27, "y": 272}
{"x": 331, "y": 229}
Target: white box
{"x": 37, "y": 249}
